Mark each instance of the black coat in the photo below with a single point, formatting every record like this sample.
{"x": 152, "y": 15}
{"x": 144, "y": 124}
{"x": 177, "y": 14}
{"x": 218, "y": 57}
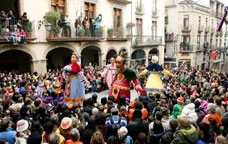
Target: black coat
{"x": 136, "y": 126}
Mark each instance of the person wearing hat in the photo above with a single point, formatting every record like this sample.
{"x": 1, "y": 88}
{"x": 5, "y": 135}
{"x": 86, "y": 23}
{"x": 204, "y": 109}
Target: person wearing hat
{"x": 177, "y": 109}
{"x": 186, "y": 133}
{"x": 154, "y": 83}
{"x": 22, "y": 131}
{"x": 65, "y": 128}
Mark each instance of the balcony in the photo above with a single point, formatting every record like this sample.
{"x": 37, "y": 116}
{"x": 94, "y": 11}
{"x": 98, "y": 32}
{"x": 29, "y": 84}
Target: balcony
{"x": 139, "y": 10}
{"x": 142, "y": 41}
{"x": 186, "y": 47}
{"x": 169, "y": 37}
{"x": 121, "y": 1}
{"x": 186, "y": 29}
{"x": 200, "y": 28}
{"x": 5, "y": 33}
{"x": 207, "y": 29}
{"x": 109, "y": 34}
{"x": 155, "y": 14}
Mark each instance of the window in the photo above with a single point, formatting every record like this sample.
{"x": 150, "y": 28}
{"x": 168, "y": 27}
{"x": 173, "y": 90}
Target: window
{"x": 90, "y": 10}
{"x": 138, "y": 26}
{"x": 117, "y": 18}
{"x": 138, "y": 5}
{"x": 58, "y": 6}
{"x": 199, "y": 21}
{"x": 154, "y": 6}
{"x": 154, "y": 28}
{"x": 186, "y": 20}
{"x": 206, "y": 22}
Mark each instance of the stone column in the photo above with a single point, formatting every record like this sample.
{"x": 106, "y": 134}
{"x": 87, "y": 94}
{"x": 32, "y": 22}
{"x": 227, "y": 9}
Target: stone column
{"x": 39, "y": 66}
{"x": 100, "y": 59}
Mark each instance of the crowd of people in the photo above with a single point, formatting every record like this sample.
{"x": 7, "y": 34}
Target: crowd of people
{"x": 192, "y": 109}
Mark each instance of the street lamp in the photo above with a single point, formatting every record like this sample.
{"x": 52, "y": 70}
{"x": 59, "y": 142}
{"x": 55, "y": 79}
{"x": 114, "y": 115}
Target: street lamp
{"x": 48, "y": 26}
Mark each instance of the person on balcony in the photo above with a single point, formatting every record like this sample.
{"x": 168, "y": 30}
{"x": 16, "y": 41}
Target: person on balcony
{"x": 92, "y": 27}
{"x": 67, "y": 25}
{"x": 77, "y": 26}
{"x": 12, "y": 19}
{"x": 23, "y": 36}
{"x": 97, "y": 25}
{"x": 13, "y": 36}
{"x": 86, "y": 26}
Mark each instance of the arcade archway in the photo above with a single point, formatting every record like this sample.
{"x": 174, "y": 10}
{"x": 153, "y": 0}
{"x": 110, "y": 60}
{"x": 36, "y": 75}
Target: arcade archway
{"x": 111, "y": 53}
{"x": 15, "y": 61}
{"x": 138, "y": 56}
{"x": 91, "y": 54}
{"x": 58, "y": 58}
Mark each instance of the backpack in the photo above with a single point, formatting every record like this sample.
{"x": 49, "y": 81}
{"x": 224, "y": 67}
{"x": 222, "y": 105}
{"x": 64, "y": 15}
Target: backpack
{"x": 115, "y": 126}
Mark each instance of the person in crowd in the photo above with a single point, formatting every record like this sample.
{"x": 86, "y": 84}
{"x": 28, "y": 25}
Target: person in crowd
{"x": 75, "y": 137}
{"x": 211, "y": 113}
{"x": 186, "y": 133}
{"x": 177, "y": 109}
{"x": 109, "y": 72}
{"x": 114, "y": 122}
{"x": 167, "y": 137}
{"x": 22, "y": 131}
{"x": 123, "y": 79}
{"x": 97, "y": 138}
{"x": 7, "y": 131}
{"x": 221, "y": 140}
{"x": 74, "y": 91}
{"x": 137, "y": 125}
{"x": 205, "y": 135}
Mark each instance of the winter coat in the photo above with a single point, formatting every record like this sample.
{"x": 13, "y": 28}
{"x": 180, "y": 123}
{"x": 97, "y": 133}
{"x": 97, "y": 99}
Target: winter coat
{"x": 186, "y": 136}
{"x": 189, "y": 110}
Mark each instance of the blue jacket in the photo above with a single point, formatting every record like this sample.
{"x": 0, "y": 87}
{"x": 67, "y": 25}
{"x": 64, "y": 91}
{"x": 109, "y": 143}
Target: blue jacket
{"x": 9, "y": 134}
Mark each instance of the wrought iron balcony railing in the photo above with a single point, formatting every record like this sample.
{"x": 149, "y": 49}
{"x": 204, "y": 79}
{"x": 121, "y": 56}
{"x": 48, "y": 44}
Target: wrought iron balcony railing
{"x": 142, "y": 40}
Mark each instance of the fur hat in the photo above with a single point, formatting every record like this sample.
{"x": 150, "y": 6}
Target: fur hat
{"x": 154, "y": 59}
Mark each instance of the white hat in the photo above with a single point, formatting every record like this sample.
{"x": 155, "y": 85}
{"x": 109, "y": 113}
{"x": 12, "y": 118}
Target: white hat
{"x": 123, "y": 131}
{"x": 22, "y": 125}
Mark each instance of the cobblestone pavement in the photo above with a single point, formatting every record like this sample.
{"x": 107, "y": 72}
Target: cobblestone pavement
{"x": 105, "y": 94}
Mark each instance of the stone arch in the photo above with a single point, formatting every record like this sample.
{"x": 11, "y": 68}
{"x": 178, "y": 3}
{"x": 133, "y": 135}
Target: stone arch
{"x": 152, "y": 52}
{"x": 85, "y": 45}
{"x": 138, "y": 56}
{"x": 123, "y": 48}
{"x": 59, "y": 45}
{"x": 19, "y": 48}
{"x": 91, "y": 54}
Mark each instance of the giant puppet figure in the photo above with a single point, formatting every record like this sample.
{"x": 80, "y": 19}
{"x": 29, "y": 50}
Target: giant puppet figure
{"x": 110, "y": 72}
{"x": 124, "y": 78}
{"x": 154, "y": 83}
{"x": 74, "y": 90}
